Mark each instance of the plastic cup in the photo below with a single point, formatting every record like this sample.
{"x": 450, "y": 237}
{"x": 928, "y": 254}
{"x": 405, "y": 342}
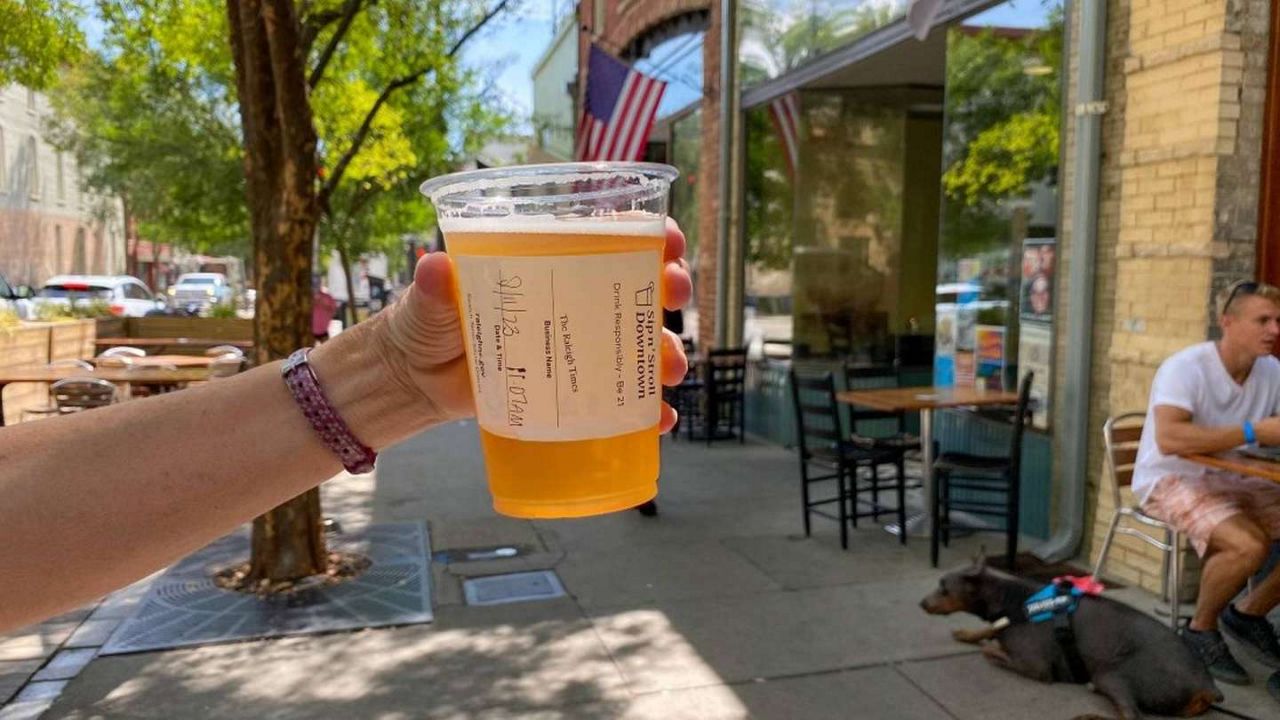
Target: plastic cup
{"x": 559, "y": 272}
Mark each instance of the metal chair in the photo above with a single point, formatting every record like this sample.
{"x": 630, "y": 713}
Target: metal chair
{"x": 51, "y": 408}
{"x": 225, "y": 366}
{"x": 981, "y": 477}
{"x": 77, "y": 394}
{"x": 827, "y": 454}
{"x": 123, "y": 351}
{"x": 221, "y": 350}
{"x": 1122, "y": 435}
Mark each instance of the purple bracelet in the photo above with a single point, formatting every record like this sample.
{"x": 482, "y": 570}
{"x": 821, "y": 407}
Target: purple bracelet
{"x": 356, "y": 457}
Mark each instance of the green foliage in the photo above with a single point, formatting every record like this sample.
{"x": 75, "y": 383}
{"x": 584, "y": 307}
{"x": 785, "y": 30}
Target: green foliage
{"x": 57, "y": 312}
{"x": 36, "y": 38}
{"x": 1003, "y": 111}
{"x": 152, "y": 116}
{"x": 1003, "y": 159}
{"x": 223, "y": 311}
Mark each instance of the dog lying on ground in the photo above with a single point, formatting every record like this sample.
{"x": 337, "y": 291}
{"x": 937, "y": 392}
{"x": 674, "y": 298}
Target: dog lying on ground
{"x": 1134, "y": 661}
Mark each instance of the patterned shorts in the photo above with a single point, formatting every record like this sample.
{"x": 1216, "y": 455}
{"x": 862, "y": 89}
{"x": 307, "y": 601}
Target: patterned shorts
{"x": 1197, "y": 505}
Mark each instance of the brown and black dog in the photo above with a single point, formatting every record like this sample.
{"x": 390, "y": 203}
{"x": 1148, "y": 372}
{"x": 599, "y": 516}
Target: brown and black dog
{"x": 1133, "y": 660}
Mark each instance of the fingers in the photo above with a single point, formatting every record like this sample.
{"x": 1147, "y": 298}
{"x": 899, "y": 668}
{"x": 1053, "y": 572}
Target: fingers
{"x": 674, "y": 363}
{"x": 675, "y": 242}
{"x": 676, "y": 284}
{"x": 434, "y": 277}
{"x": 668, "y": 419}
{"x": 426, "y": 322}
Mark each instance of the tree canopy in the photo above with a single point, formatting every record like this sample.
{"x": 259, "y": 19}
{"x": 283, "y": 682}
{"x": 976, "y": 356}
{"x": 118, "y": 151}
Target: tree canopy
{"x": 36, "y": 38}
{"x": 151, "y": 114}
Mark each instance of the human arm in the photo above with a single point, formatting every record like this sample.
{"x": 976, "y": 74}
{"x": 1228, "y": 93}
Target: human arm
{"x": 1177, "y": 434}
{"x": 96, "y": 500}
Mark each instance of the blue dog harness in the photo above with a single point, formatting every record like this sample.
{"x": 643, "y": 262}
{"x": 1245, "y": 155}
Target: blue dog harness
{"x": 1056, "y": 603}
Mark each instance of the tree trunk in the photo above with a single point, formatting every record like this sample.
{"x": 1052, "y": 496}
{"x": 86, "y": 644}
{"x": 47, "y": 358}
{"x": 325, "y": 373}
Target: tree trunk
{"x": 280, "y": 174}
{"x": 344, "y": 257}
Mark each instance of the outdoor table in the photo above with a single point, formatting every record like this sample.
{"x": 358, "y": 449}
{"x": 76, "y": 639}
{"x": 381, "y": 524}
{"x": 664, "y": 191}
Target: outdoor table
{"x": 1235, "y": 462}
{"x": 162, "y": 344}
{"x": 181, "y": 361}
{"x": 142, "y": 375}
{"x": 924, "y": 400}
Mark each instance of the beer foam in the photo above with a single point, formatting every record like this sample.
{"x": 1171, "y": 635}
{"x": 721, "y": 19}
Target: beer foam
{"x": 617, "y": 224}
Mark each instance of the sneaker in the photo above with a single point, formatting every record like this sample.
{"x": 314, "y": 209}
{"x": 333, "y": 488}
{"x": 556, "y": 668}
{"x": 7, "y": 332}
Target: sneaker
{"x": 1255, "y": 633}
{"x": 1209, "y": 646}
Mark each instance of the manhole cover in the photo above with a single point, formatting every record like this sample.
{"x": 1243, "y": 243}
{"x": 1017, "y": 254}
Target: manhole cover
{"x": 183, "y": 607}
{"x": 513, "y": 587}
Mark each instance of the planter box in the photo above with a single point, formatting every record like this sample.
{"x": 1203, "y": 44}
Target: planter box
{"x": 36, "y": 344}
{"x": 194, "y": 327}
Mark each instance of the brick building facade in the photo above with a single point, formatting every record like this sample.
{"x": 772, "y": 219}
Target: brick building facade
{"x": 1186, "y": 90}
{"x": 48, "y": 223}
{"x": 622, "y": 27}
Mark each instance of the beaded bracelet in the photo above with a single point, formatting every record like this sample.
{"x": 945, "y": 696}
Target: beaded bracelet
{"x": 356, "y": 457}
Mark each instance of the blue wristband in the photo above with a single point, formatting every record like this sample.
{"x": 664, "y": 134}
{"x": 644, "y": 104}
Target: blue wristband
{"x": 1249, "y": 436}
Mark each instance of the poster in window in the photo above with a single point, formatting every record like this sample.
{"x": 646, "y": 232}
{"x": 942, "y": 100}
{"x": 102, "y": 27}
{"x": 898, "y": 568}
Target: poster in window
{"x": 1036, "y": 296}
{"x": 1035, "y": 354}
{"x": 990, "y": 367}
{"x": 944, "y": 345}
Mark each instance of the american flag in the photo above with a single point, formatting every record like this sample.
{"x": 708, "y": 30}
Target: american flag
{"x": 785, "y": 114}
{"x": 619, "y": 109}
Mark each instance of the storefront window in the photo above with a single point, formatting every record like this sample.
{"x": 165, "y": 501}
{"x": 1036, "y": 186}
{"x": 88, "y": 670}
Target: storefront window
{"x": 779, "y": 36}
{"x": 997, "y": 250}
{"x": 686, "y": 149}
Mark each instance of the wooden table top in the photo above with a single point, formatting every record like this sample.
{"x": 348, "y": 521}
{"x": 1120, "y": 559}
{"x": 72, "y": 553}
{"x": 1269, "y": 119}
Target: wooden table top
{"x": 1235, "y": 462}
{"x": 162, "y": 342}
{"x": 187, "y": 361}
{"x": 151, "y": 375}
{"x": 925, "y": 398}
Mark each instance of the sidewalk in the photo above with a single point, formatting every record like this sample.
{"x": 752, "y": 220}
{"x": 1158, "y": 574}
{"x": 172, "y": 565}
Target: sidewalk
{"x": 719, "y": 608}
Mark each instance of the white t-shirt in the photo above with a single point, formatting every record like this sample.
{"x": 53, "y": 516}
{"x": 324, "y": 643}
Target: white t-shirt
{"x": 1195, "y": 380}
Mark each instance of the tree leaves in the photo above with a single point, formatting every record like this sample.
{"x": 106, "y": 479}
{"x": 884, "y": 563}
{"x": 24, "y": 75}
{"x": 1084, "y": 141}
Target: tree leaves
{"x": 36, "y": 38}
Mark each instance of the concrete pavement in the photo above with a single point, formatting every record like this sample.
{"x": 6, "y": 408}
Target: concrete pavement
{"x": 719, "y": 608}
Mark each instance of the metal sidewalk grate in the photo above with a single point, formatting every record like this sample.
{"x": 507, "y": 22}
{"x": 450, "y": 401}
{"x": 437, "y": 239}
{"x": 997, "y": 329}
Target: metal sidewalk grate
{"x": 184, "y": 607}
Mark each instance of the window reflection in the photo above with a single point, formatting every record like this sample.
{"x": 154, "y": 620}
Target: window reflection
{"x": 779, "y": 36}
{"x": 997, "y": 248}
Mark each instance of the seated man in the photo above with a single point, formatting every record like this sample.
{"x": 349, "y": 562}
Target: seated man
{"x": 1205, "y": 399}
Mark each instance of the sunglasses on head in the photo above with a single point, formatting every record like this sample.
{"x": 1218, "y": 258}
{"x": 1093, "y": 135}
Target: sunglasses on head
{"x": 1245, "y": 288}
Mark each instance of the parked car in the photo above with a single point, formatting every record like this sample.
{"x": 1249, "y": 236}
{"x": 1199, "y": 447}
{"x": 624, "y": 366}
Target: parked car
{"x": 201, "y": 289}
{"x": 16, "y": 299}
{"x": 125, "y": 295}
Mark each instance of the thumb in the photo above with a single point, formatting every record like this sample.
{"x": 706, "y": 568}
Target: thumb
{"x": 428, "y": 324}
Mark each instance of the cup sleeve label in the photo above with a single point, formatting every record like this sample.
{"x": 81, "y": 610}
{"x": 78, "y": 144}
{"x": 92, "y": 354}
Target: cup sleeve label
{"x": 565, "y": 347}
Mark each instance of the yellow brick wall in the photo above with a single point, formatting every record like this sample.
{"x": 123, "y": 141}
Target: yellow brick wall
{"x": 1175, "y": 79}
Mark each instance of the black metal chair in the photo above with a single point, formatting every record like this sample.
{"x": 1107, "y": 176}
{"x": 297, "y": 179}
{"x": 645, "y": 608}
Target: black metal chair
{"x": 991, "y": 485}
{"x": 826, "y": 453}
{"x": 720, "y": 412}
{"x": 898, "y": 442}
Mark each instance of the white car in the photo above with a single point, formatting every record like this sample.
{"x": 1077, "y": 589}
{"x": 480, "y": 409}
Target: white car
{"x": 200, "y": 289}
{"x": 125, "y": 295}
